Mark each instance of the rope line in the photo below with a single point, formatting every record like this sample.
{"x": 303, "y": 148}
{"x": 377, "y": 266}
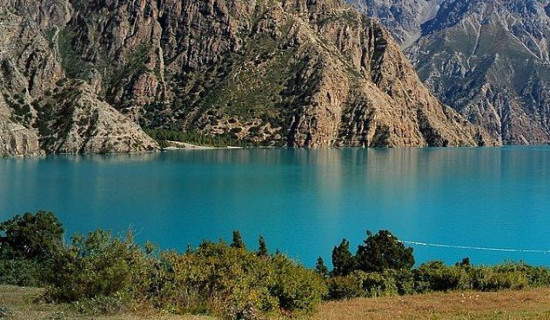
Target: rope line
{"x": 438, "y": 245}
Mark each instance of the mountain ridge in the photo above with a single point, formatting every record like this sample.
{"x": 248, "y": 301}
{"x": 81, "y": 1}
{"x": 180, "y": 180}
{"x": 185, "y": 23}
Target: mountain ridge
{"x": 488, "y": 60}
{"x": 279, "y": 73}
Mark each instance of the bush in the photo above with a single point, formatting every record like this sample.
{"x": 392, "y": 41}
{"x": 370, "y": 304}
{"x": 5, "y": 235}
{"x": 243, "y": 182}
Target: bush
{"x": 296, "y": 288}
{"x": 215, "y": 279}
{"x": 376, "y": 284}
{"x": 405, "y": 281}
{"x": 230, "y": 281}
{"x": 35, "y": 237}
{"x": 28, "y": 244}
{"x": 344, "y": 288}
{"x": 101, "y": 305}
{"x": 435, "y": 276}
{"x": 20, "y": 272}
{"x": 499, "y": 278}
{"x": 96, "y": 265}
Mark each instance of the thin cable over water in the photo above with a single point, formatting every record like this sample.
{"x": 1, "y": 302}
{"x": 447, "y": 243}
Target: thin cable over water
{"x": 438, "y": 245}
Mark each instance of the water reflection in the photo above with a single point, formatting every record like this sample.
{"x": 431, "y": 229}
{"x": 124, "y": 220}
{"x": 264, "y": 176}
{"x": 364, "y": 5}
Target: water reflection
{"x": 302, "y": 201}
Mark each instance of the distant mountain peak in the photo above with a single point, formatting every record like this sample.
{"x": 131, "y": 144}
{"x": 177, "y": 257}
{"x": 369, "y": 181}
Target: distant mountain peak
{"x": 487, "y": 59}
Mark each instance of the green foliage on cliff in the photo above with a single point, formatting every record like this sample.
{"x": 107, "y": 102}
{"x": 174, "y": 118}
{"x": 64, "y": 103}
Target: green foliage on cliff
{"x": 71, "y": 56}
{"x": 163, "y": 136}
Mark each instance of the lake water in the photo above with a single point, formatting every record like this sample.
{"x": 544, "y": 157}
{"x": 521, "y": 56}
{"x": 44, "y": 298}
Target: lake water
{"x": 302, "y": 201}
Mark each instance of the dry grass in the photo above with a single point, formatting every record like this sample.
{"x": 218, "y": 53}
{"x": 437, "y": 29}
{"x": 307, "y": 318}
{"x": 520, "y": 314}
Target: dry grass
{"x": 527, "y": 304}
{"x": 21, "y": 306}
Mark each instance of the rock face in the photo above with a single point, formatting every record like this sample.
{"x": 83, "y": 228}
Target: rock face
{"x": 81, "y": 75}
{"x": 404, "y": 18}
{"x": 16, "y": 140}
{"x": 41, "y": 109}
{"x": 487, "y": 59}
{"x": 75, "y": 120}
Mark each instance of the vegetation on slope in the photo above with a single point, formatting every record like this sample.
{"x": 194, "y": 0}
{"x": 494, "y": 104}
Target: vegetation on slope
{"x": 165, "y": 136}
{"x": 99, "y": 273}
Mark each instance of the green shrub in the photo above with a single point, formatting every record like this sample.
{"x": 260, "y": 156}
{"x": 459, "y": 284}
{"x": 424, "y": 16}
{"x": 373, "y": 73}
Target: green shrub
{"x": 375, "y": 284}
{"x": 296, "y": 288}
{"x": 499, "y": 278}
{"x": 28, "y": 244}
{"x": 35, "y": 237}
{"x": 218, "y": 279}
{"x": 405, "y": 281}
{"x": 101, "y": 305}
{"x": 96, "y": 265}
{"x": 344, "y": 287}
{"x": 440, "y": 277}
{"x": 20, "y": 272}
{"x": 231, "y": 281}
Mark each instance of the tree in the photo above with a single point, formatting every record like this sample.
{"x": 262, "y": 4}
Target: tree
{"x": 383, "y": 251}
{"x": 342, "y": 259}
{"x": 262, "y": 250}
{"x": 321, "y": 268}
{"x": 34, "y": 237}
{"x": 464, "y": 263}
{"x": 237, "y": 241}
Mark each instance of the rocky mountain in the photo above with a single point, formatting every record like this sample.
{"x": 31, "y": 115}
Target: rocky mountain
{"x": 85, "y": 76}
{"x": 404, "y": 18}
{"x": 488, "y": 59}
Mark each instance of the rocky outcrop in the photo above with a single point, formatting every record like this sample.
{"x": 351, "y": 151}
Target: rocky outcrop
{"x": 312, "y": 73}
{"x": 16, "y": 140}
{"x": 489, "y": 60}
{"x": 74, "y": 120}
{"x": 33, "y": 67}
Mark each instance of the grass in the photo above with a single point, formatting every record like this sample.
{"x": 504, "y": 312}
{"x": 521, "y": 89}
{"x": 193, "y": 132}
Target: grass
{"x": 17, "y": 303}
{"x": 525, "y": 304}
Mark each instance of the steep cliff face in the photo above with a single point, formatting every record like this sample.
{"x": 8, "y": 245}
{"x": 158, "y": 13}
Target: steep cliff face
{"x": 490, "y": 61}
{"x": 284, "y": 73}
{"x": 15, "y": 139}
{"x": 36, "y": 115}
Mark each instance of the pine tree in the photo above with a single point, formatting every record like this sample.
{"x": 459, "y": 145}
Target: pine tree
{"x": 321, "y": 268}
{"x": 262, "y": 250}
{"x": 237, "y": 241}
{"x": 342, "y": 259}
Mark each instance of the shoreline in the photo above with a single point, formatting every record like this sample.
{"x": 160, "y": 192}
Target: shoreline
{"x": 188, "y": 146}
{"x": 178, "y": 145}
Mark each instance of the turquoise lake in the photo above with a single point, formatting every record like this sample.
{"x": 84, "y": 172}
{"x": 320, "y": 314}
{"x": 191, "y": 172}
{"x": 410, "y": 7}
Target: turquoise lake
{"x": 302, "y": 201}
